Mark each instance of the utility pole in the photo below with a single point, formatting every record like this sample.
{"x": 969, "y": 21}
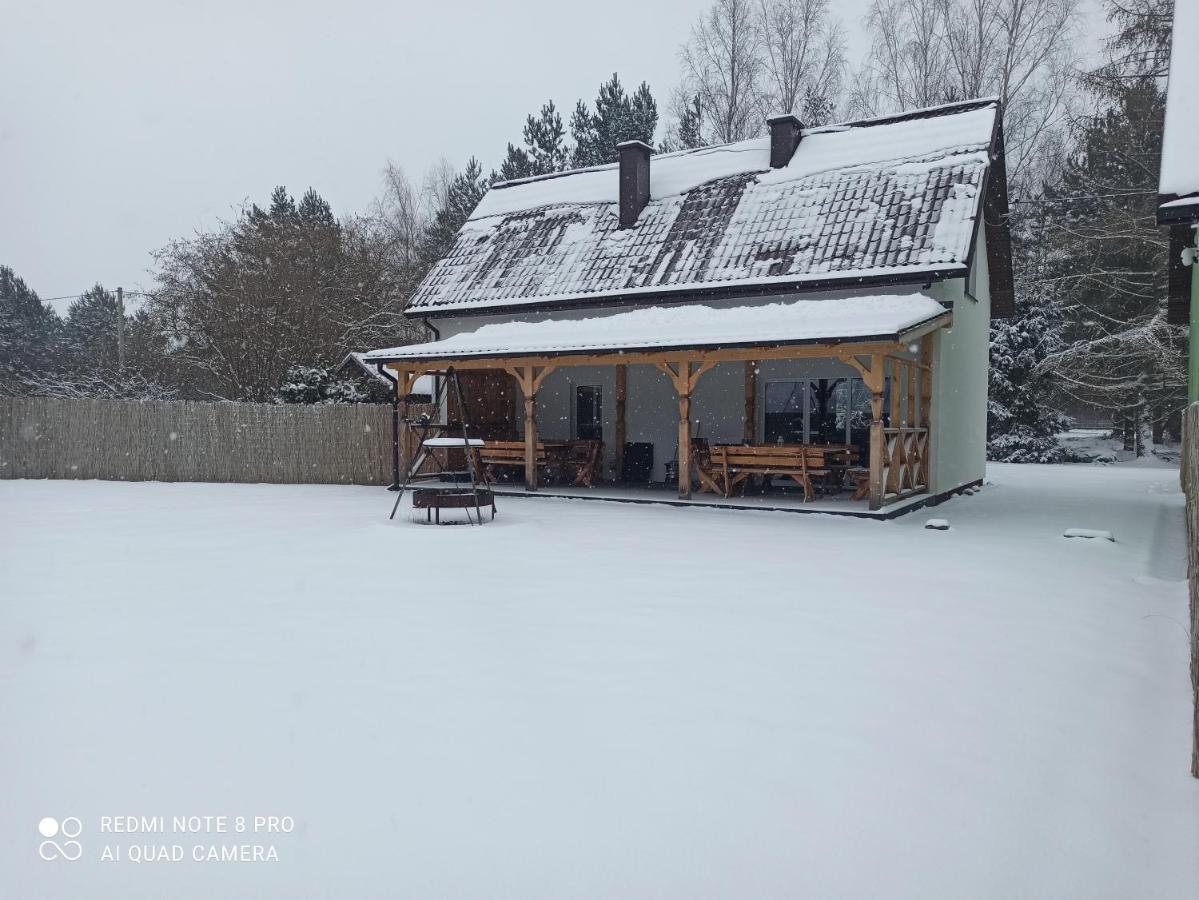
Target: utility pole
{"x": 121, "y": 329}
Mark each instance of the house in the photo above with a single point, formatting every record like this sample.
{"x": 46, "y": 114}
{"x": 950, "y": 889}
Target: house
{"x": 827, "y": 286}
{"x": 1178, "y": 186}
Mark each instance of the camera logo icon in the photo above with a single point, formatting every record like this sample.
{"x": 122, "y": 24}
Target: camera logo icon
{"x": 60, "y": 840}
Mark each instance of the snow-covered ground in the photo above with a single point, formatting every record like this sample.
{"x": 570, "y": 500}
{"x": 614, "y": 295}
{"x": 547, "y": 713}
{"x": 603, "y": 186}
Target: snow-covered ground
{"x": 1100, "y": 445}
{"x": 598, "y": 700}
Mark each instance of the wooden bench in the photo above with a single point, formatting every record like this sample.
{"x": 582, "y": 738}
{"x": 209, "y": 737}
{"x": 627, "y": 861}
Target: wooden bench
{"x": 860, "y": 480}
{"x": 737, "y": 464}
{"x": 580, "y": 461}
{"x": 723, "y": 468}
{"x": 508, "y": 454}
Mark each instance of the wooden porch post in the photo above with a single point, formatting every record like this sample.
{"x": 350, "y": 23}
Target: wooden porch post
{"x": 685, "y": 380}
{"x": 751, "y": 401}
{"x": 895, "y": 455}
{"x": 927, "y": 347}
{"x": 530, "y": 440}
{"x": 530, "y": 378}
{"x": 876, "y": 381}
{"x": 685, "y": 443}
{"x": 622, "y": 388}
{"x": 404, "y": 381}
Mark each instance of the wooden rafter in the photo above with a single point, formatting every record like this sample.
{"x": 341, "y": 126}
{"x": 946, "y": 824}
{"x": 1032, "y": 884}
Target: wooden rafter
{"x": 653, "y": 358}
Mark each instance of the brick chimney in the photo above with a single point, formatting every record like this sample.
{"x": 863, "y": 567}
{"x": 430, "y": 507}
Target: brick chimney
{"x": 634, "y": 180}
{"x": 786, "y": 131}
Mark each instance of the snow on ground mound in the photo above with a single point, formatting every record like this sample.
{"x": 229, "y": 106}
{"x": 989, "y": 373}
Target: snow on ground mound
{"x": 602, "y": 700}
{"x": 1089, "y": 533}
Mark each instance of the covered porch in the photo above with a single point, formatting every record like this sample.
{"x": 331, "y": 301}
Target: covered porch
{"x": 776, "y": 406}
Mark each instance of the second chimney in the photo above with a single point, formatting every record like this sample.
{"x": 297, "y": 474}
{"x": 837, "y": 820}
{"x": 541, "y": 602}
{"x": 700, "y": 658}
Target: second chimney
{"x": 634, "y": 180}
{"x": 786, "y": 131}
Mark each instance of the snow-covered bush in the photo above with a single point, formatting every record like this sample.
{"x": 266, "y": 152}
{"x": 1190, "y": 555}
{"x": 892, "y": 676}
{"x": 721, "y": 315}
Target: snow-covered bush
{"x": 1022, "y": 444}
{"x": 314, "y": 384}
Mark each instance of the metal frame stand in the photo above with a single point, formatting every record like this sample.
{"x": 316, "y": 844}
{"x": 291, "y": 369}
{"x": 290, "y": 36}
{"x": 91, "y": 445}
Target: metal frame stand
{"x": 464, "y": 422}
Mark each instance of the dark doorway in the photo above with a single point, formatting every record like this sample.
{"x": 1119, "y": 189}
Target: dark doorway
{"x": 589, "y": 417}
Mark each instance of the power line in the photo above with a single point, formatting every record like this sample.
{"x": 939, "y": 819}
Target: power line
{"x": 85, "y": 293}
{"x": 1088, "y": 197}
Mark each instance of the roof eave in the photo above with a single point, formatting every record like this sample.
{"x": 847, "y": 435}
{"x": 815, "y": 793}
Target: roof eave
{"x": 713, "y": 291}
{"x": 903, "y": 336}
{"x": 1177, "y": 215}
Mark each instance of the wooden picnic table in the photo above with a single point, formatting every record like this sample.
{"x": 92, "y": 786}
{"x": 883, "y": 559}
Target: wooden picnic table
{"x": 724, "y": 467}
{"x": 580, "y": 461}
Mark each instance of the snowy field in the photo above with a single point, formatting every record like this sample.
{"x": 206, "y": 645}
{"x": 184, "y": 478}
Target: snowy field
{"x": 598, "y": 700}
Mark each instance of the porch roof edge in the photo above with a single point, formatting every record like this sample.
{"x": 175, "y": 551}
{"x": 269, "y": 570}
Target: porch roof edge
{"x": 743, "y": 349}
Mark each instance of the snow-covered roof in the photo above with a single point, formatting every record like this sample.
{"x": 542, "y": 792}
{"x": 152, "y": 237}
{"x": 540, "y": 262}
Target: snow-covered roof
{"x": 891, "y": 198}
{"x": 689, "y": 325}
{"x": 358, "y": 359}
{"x": 1180, "y": 140}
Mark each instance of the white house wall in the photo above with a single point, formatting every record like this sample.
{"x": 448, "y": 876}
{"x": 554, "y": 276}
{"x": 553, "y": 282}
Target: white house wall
{"x": 960, "y": 375}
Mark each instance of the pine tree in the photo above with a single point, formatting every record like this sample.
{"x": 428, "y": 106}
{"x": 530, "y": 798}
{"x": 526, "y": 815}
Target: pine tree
{"x": 516, "y": 165}
{"x": 617, "y": 118}
{"x": 1120, "y": 354}
{"x": 545, "y": 136}
{"x": 314, "y": 211}
{"x": 1022, "y": 425}
{"x": 89, "y": 335}
{"x": 544, "y": 149}
{"x": 691, "y": 125}
{"x": 288, "y": 284}
{"x": 29, "y": 330}
{"x": 642, "y": 117}
{"x": 465, "y": 191}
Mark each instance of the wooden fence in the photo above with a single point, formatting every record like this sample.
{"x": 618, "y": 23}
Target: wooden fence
{"x": 1190, "y": 484}
{"x": 182, "y": 441}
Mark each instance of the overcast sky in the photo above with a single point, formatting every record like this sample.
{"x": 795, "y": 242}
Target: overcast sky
{"x": 127, "y": 123}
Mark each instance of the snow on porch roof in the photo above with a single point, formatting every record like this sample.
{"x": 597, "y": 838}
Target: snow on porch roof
{"x": 895, "y": 198}
{"x": 688, "y": 326}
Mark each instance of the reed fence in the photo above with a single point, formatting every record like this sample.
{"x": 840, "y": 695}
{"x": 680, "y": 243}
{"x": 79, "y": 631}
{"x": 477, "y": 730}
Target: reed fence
{"x": 195, "y": 441}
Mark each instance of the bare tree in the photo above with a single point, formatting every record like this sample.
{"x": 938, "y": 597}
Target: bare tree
{"x": 803, "y": 58}
{"x": 399, "y": 211}
{"x": 722, "y": 66}
{"x": 435, "y": 187}
{"x": 926, "y": 52}
{"x": 906, "y": 67}
{"x": 99, "y": 385}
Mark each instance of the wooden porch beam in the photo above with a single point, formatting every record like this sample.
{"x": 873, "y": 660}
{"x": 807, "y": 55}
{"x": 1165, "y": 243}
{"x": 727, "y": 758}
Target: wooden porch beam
{"x": 750, "y": 429}
{"x": 928, "y": 345}
{"x": 405, "y": 380}
{"x": 875, "y": 379}
{"x": 654, "y": 358}
{"x": 529, "y": 378}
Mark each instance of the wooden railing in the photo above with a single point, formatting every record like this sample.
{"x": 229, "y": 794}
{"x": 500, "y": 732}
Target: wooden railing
{"x": 905, "y": 461}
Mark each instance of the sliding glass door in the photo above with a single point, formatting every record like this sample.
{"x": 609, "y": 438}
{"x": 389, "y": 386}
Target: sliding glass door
{"x": 819, "y": 411}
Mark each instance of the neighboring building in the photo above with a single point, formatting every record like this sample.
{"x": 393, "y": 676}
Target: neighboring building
{"x": 354, "y": 366}
{"x": 829, "y": 285}
{"x": 1178, "y": 189}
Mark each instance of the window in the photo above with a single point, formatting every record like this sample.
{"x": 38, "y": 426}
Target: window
{"x": 820, "y": 411}
{"x": 589, "y": 417}
{"x": 785, "y": 411}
